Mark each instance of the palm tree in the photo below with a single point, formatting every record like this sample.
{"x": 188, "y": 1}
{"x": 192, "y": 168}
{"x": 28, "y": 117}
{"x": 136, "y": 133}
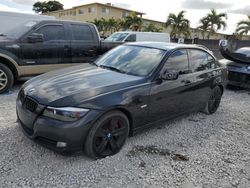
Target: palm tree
{"x": 105, "y": 25}
{"x": 205, "y": 26}
{"x": 134, "y": 22}
{"x": 216, "y": 21}
{"x": 112, "y": 23}
{"x": 99, "y": 24}
{"x": 152, "y": 28}
{"x": 180, "y": 25}
{"x": 243, "y": 27}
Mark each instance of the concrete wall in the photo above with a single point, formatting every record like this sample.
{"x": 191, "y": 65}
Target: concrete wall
{"x": 213, "y": 45}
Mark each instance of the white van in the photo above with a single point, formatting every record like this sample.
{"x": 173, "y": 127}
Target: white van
{"x": 131, "y": 36}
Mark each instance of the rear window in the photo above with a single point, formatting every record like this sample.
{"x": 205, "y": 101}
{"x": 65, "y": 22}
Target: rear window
{"x": 81, "y": 32}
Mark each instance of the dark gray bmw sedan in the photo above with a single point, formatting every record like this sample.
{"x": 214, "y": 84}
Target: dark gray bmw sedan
{"x": 131, "y": 87}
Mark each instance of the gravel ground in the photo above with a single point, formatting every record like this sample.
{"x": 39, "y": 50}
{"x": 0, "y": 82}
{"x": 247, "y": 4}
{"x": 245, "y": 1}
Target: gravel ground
{"x": 193, "y": 151}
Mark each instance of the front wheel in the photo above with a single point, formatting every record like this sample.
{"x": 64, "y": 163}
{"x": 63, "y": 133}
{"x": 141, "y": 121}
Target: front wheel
{"x": 6, "y": 78}
{"x": 213, "y": 101}
{"x": 108, "y": 135}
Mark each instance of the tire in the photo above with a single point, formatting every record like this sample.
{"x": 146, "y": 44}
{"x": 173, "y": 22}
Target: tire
{"x": 108, "y": 135}
{"x": 6, "y": 78}
{"x": 213, "y": 101}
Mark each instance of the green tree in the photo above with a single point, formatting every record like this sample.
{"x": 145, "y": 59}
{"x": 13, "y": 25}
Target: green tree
{"x": 216, "y": 21}
{"x": 133, "y": 21}
{"x": 124, "y": 25}
{"x": 180, "y": 25}
{"x": 99, "y": 24}
{"x": 44, "y": 7}
{"x": 112, "y": 24}
{"x": 152, "y": 28}
{"x": 243, "y": 27}
{"x": 205, "y": 27}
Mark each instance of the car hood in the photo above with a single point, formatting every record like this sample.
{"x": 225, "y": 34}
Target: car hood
{"x": 71, "y": 86}
{"x": 4, "y": 39}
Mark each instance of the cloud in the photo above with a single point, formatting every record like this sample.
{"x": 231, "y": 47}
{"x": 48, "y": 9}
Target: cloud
{"x": 204, "y": 4}
{"x": 245, "y": 11}
{"x": 8, "y": 9}
{"x": 24, "y": 2}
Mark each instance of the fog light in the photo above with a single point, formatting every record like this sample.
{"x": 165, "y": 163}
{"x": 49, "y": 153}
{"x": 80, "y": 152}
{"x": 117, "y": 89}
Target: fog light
{"x": 61, "y": 144}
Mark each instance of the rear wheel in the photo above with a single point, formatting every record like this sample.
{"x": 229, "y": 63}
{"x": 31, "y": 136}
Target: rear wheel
{"x": 6, "y": 78}
{"x": 108, "y": 135}
{"x": 214, "y": 101}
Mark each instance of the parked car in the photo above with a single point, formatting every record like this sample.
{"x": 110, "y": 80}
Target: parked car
{"x": 238, "y": 65}
{"x": 133, "y": 36}
{"x": 131, "y": 87}
{"x": 122, "y": 37}
{"x": 39, "y": 46}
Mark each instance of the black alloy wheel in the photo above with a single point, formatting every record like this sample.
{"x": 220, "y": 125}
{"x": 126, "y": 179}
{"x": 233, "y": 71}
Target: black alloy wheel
{"x": 108, "y": 135}
{"x": 214, "y": 101}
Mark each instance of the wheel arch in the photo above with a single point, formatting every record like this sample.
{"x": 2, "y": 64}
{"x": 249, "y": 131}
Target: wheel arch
{"x": 127, "y": 114}
{"x": 221, "y": 88}
{"x": 10, "y": 63}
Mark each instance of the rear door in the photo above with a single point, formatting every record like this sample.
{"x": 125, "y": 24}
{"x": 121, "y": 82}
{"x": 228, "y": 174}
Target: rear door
{"x": 84, "y": 43}
{"x": 50, "y": 54}
{"x": 202, "y": 66}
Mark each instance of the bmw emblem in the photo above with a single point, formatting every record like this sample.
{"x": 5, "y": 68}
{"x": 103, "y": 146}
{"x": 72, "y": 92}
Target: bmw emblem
{"x": 31, "y": 91}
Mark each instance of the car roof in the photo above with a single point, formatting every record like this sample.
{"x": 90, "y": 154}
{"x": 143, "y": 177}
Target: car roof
{"x": 166, "y": 46}
{"x": 62, "y": 21}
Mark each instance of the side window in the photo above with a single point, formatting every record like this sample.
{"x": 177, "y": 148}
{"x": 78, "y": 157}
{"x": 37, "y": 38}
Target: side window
{"x": 81, "y": 32}
{"x": 178, "y": 61}
{"x": 52, "y": 32}
{"x": 131, "y": 38}
{"x": 212, "y": 62}
{"x": 199, "y": 60}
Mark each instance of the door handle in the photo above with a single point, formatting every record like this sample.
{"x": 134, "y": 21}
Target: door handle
{"x": 66, "y": 48}
{"x": 186, "y": 82}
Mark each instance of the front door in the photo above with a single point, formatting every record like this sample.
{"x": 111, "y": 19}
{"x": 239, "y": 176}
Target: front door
{"x": 172, "y": 97}
{"x": 49, "y": 54}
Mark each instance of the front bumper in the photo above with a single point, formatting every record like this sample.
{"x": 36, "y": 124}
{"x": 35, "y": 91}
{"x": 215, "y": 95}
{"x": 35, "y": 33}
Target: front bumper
{"x": 49, "y": 132}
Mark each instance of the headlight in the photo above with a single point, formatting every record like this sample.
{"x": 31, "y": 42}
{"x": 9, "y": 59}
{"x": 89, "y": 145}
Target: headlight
{"x": 65, "y": 114}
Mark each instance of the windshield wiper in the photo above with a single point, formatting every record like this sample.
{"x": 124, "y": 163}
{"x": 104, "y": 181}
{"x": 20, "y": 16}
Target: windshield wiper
{"x": 1, "y": 34}
{"x": 93, "y": 63}
{"x": 111, "y": 68}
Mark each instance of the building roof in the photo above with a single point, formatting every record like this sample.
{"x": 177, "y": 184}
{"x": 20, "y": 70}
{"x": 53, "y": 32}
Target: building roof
{"x": 96, "y": 3}
{"x": 160, "y": 22}
{"x": 110, "y": 5}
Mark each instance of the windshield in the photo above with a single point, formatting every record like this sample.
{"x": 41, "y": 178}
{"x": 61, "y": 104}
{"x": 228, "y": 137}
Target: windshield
{"x": 117, "y": 37}
{"x": 19, "y": 29}
{"x": 134, "y": 60}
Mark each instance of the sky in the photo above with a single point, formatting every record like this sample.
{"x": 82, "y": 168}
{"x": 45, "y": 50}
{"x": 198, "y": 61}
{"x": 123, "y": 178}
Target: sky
{"x": 157, "y": 9}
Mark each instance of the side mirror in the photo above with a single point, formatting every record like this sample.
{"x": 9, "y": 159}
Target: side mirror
{"x": 35, "y": 37}
{"x": 169, "y": 75}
